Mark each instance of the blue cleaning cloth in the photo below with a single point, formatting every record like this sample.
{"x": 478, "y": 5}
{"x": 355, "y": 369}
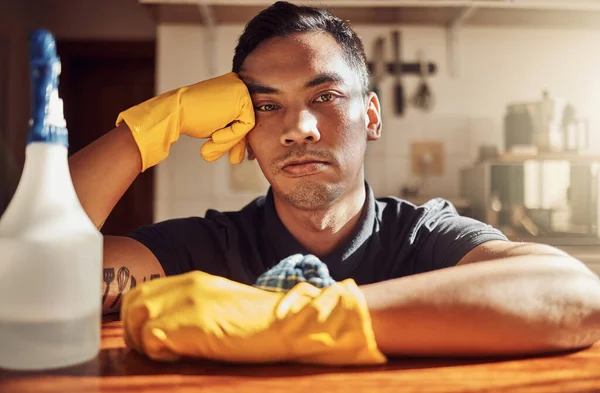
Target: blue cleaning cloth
{"x": 295, "y": 269}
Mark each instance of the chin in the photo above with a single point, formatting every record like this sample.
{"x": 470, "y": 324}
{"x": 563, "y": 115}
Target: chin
{"x": 311, "y": 194}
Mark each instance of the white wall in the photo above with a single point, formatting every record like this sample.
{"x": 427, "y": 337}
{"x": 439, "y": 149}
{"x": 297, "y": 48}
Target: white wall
{"x": 497, "y": 66}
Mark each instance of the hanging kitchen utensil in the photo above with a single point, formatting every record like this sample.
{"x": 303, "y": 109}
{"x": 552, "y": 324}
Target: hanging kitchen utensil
{"x": 423, "y": 97}
{"x": 398, "y": 88}
{"x": 379, "y": 66}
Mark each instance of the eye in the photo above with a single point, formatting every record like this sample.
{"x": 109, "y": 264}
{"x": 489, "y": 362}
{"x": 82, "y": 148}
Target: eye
{"x": 265, "y": 107}
{"x": 325, "y": 97}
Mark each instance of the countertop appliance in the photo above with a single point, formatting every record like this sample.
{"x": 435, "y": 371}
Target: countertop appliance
{"x": 552, "y": 198}
{"x": 548, "y": 125}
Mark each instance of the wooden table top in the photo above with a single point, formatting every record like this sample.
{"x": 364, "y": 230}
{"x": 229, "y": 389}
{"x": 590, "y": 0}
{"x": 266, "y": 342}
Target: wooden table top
{"x": 118, "y": 369}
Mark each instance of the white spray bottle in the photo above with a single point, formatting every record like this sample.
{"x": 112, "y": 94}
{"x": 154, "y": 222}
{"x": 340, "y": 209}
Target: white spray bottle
{"x": 50, "y": 251}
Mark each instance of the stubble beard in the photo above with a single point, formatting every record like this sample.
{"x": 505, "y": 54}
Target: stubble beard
{"x": 312, "y": 195}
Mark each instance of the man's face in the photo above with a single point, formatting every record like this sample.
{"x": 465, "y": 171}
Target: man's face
{"x": 312, "y": 120}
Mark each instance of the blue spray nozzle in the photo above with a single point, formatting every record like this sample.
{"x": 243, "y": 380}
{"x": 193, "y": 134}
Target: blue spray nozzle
{"x": 47, "y": 121}
{"x": 42, "y": 47}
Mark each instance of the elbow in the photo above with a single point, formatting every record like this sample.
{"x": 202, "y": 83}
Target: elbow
{"x": 579, "y": 337}
{"x": 577, "y": 321}
{"x": 573, "y": 339}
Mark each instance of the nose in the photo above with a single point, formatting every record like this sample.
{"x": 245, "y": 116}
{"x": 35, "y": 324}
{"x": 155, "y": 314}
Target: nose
{"x": 300, "y": 127}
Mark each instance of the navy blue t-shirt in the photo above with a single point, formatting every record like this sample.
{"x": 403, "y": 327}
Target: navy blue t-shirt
{"x": 393, "y": 238}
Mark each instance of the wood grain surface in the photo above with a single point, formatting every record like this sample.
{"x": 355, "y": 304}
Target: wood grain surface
{"x": 118, "y": 369}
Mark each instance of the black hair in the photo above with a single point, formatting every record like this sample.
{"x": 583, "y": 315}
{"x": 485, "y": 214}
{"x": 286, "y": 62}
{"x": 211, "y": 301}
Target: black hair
{"x": 283, "y": 19}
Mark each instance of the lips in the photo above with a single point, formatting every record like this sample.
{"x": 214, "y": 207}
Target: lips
{"x": 304, "y": 167}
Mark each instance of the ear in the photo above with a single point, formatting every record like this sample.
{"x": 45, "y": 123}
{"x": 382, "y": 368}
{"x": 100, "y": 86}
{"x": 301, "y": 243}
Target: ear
{"x": 251, "y": 155}
{"x": 373, "y": 117}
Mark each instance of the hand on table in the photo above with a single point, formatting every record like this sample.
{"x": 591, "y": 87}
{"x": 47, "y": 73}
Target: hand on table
{"x": 200, "y": 315}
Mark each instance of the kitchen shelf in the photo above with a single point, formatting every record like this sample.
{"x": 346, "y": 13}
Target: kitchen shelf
{"x": 512, "y": 158}
{"x": 577, "y": 14}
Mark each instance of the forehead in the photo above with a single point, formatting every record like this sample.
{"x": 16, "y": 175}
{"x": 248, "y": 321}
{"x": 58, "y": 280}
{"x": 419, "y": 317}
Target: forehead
{"x": 296, "y": 58}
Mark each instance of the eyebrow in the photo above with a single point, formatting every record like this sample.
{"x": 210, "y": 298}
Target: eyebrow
{"x": 328, "y": 77}
{"x": 257, "y": 88}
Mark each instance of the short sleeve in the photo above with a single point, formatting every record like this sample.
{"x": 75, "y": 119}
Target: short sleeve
{"x": 183, "y": 245}
{"x": 441, "y": 236}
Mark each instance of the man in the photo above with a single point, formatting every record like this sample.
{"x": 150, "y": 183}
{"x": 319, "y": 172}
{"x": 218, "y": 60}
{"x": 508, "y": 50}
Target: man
{"x": 434, "y": 283}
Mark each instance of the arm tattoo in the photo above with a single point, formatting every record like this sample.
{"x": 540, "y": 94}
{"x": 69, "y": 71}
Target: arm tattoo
{"x": 109, "y": 276}
{"x": 122, "y": 277}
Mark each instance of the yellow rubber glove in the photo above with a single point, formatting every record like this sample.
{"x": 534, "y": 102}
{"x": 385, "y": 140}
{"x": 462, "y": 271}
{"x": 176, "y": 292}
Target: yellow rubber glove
{"x": 218, "y": 108}
{"x": 200, "y": 315}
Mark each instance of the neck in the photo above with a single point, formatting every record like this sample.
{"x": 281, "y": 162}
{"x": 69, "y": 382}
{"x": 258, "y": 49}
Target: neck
{"x": 321, "y": 231}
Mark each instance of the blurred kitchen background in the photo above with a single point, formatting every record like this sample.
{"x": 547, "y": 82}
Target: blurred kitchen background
{"x": 491, "y": 104}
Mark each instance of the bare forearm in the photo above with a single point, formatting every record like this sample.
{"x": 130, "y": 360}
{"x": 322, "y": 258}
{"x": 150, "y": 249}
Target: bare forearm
{"x": 104, "y": 170}
{"x": 519, "y": 305}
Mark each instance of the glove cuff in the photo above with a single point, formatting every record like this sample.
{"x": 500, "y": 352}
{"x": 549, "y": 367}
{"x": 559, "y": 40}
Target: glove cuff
{"x": 334, "y": 328}
{"x": 362, "y": 349}
{"x": 154, "y": 125}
